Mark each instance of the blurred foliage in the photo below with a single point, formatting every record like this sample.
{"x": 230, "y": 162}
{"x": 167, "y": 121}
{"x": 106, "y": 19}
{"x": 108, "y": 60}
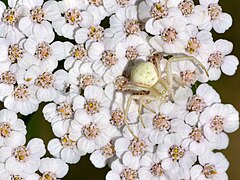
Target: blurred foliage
{"x": 227, "y": 87}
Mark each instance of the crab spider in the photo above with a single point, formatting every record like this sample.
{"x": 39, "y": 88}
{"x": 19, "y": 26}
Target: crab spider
{"x": 145, "y": 76}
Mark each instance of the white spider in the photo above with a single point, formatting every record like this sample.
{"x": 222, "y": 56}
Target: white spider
{"x": 147, "y": 77}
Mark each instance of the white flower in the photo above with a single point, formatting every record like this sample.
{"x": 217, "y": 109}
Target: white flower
{"x": 170, "y": 35}
{"x": 98, "y": 10}
{"x": 117, "y": 107}
{"x": 12, "y": 51}
{"x": 22, "y": 99}
{"x": 63, "y": 86}
{"x": 162, "y": 122}
{"x": 199, "y": 43}
{"x": 90, "y": 133}
{"x": 187, "y": 103}
{"x": 95, "y": 33}
{"x": 120, "y": 171}
{"x": 75, "y": 53}
{"x": 108, "y": 58}
{"x": 94, "y": 103}
{"x": 44, "y": 82}
{"x": 151, "y": 168}
{"x": 134, "y": 47}
{"x": 193, "y": 14}
{"x": 74, "y": 16}
{"x": 219, "y": 59}
{"x": 219, "y": 20}
{"x": 12, "y": 129}
{"x": 124, "y": 23}
{"x": 218, "y": 120}
{"x": 174, "y": 155}
{"x": 9, "y": 17}
{"x": 187, "y": 72}
{"x": 116, "y": 84}
{"x": 212, "y": 166}
{"x": 64, "y": 147}
{"x": 150, "y": 11}
{"x": 130, "y": 149}
{"x": 82, "y": 76}
{"x": 111, "y": 76}
{"x": 113, "y": 5}
{"x": 53, "y": 168}
{"x": 45, "y": 53}
{"x": 104, "y": 155}
{"x": 196, "y": 141}
{"x": 6, "y": 175}
{"x": 183, "y": 173}
{"x": 60, "y": 114}
{"x": 23, "y": 158}
{"x": 9, "y": 79}
{"x": 36, "y": 17}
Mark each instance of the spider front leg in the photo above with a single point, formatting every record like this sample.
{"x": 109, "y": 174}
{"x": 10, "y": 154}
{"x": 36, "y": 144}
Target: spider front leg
{"x": 142, "y": 104}
{"x": 190, "y": 58}
{"x": 171, "y": 76}
{"x": 178, "y": 80}
{"x": 140, "y": 108}
{"x": 166, "y": 86}
{"x": 129, "y": 102}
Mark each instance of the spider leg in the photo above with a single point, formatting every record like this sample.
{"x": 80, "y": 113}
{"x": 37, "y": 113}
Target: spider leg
{"x": 178, "y": 80}
{"x": 140, "y": 108}
{"x": 191, "y": 58}
{"x": 132, "y": 86}
{"x": 158, "y": 68}
{"x": 170, "y": 75}
{"x": 129, "y": 102}
{"x": 143, "y": 104}
{"x": 165, "y": 85}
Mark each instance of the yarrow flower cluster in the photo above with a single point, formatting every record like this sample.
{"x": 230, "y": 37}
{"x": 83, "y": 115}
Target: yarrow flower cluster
{"x": 128, "y": 85}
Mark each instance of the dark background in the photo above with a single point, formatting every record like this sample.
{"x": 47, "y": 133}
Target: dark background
{"x": 227, "y": 87}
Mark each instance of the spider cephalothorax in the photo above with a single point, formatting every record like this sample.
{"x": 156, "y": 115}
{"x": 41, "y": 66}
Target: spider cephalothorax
{"x": 147, "y": 76}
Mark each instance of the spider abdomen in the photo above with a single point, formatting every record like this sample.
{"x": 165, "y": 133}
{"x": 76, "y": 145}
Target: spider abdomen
{"x": 144, "y": 74}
